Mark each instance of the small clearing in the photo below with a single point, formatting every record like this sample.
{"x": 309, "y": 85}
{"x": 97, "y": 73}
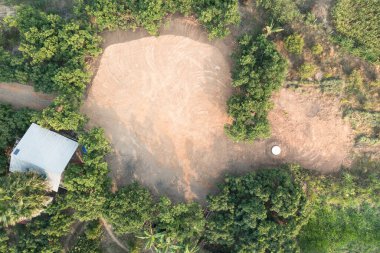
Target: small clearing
{"x": 20, "y": 96}
{"x": 162, "y": 102}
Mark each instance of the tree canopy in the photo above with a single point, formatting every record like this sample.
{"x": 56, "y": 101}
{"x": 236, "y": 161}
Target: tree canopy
{"x": 259, "y": 70}
{"x": 129, "y": 209}
{"x": 22, "y": 195}
{"x": 259, "y": 212}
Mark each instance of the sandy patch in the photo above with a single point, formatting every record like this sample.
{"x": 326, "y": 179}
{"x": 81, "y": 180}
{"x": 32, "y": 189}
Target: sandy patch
{"x": 20, "y": 96}
{"x": 162, "y": 102}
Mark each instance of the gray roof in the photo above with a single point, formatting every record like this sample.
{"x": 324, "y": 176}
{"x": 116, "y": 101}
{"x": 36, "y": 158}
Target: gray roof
{"x": 44, "y": 151}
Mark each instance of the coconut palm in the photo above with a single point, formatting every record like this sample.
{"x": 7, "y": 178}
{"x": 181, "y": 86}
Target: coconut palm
{"x": 270, "y": 29}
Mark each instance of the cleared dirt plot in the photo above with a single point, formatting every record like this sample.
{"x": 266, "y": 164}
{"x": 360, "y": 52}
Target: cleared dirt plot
{"x": 162, "y": 102}
{"x": 19, "y": 96}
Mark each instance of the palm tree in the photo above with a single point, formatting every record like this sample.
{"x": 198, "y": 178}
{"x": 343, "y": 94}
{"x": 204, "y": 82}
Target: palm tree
{"x": 22, "y": 195}
{"x": 270, "y": 29}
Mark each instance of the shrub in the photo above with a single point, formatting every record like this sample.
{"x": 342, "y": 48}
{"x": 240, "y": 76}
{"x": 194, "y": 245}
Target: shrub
{"x": 294, "y": 44}
{"x": 317, "y": 49}
{"x": 89, "y": 242}
{"x": 260, "y": 212}
{"x": 282, "y": 11}
{"x": 22, "y": 195}
{"x": 259, "y": 70}
{"x": 358, "y": 27}
{"x": 129, "y": 208}
{"x": 216, "y": 16}
{"x": 307, "y": 70}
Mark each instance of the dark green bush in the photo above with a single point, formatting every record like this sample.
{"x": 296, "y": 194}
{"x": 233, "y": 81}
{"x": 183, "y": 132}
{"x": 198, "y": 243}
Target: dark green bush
{"x": 307, "y": 70}
{"x": 259, "y": 70}
{"x": 294, "y": 44}
{"x": 260, "y": 212}
{"x": 282, "y": 11}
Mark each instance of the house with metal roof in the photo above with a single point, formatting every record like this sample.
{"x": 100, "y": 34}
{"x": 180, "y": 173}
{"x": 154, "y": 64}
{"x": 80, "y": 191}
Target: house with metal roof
{"x": 45, "y": 152}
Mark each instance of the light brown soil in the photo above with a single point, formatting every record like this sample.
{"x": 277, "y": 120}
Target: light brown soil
{"x": 162, "y": 101}
{"x": 19, "y": 96}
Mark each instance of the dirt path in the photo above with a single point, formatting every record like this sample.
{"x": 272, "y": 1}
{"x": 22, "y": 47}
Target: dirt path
{"x": 112, "y": 235}
{"x": 162, "y": 101}
{"x": 19, "y": 96}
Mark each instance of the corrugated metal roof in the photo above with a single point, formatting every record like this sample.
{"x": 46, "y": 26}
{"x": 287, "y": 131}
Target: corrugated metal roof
{"x": 45, "y": 151}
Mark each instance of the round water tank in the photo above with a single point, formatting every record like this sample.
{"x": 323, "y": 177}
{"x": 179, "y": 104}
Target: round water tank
{"x": 276, "y": 150}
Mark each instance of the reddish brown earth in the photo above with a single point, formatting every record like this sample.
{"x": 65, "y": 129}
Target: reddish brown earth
{"x": 19, "y": 96}
{"x": 162, "y": 102}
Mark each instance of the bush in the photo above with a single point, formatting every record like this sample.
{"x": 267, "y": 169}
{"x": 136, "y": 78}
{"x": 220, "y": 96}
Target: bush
{"x": 259, "y": 70}
{"x": 89, "y": 242}
{"x": 317, "y": 49}
{"x": 260, "y": 212}
{"x": 307, "y": 70}
{"x": 54, "y": 49}
{"x": 22, "y": 195}
{"x": 216, "y": 16}
{"x": 294, "y": 44}
{"x": 282, "y": 11}
{"x": 358, "y": 27}
{"x": 128, "y": 209}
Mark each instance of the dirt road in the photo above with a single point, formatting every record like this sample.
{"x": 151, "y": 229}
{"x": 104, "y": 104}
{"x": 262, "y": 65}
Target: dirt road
{"x": 162, "y": 102}
{"x": 19, "y": 96}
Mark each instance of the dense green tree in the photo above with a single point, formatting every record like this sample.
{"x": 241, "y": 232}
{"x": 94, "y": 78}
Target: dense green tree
{"x": 214, "y": 15}
{"x": 3, "y": 241}
{"x": 22, "y": 195}
{"x": 88, "y": 184}
{"x": 282, "y": 11}
{"x": 89, "y": 242}
{"x": 129, "y": 209}
{"x": 181, "y": 223}
{"x": 259, "y": 70}
{"x": 51, "y": 45}
{"x": 217, "y": 15}
{"x": 62, "y": 114}
{"x": 13, "y": 124}
{"x": 259, "y": 212}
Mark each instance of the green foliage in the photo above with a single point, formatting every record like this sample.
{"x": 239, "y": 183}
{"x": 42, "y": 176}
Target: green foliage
{"x": 342, "y": 230}
{"x": 21, "y": 196}
{"x": 62, "y": 114}
{"x": 50, "y": 45}
{"x": 294, "y": 44}
{"x": 88, "y": 184}
{"x": 13, "y": 124}
{"x": 317, "y": 49}
{"x": 260, "y": 212}
{"x": 3, "y": 241}
{"x": 358, "y": 27}
{"x": 45, "y": 232}
{"x": 89, "y": 242}
{"x": 217, "y": 15}
{"x": 182, "y": 224}
{"x": 129, "y": 209}
{"x": 282, "y": 11}
{"x": 346, "y": 210}
{"x": 307, "y": 70}
{"x": 259, "y": 70}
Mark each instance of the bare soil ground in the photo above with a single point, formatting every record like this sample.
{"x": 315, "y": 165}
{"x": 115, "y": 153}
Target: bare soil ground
{"x": 19, "y": 96}
{"x": 162, "y": 102}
